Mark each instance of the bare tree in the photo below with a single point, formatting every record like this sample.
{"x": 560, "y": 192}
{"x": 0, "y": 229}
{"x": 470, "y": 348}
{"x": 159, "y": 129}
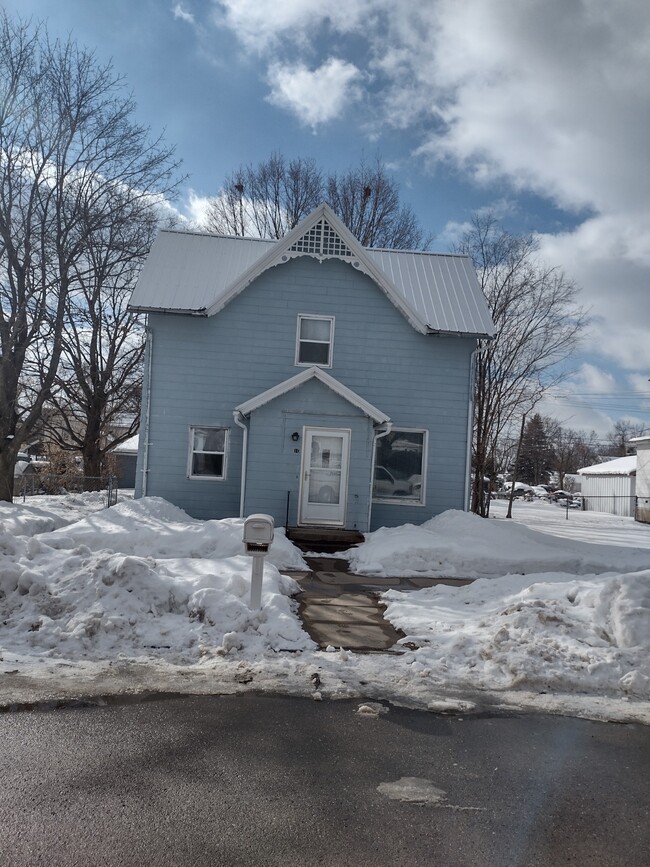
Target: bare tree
{"x": 571, "y": 449}
{"x": 72, "y": 163}
{"x": 267, "y": 200}
{"x": 367, "y": 200}
{"x": 619, "y": 437}
{"x": 270, "y": 199}
{"x": 96, "y": 393}
{"x": 538, "y": 323}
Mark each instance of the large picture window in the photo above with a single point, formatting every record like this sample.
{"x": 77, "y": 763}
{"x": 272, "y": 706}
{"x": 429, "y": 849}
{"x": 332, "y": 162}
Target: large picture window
{"x": 208, "y": 447}
{"x": 400, "y": 463}
{"x": 314, "y": 340}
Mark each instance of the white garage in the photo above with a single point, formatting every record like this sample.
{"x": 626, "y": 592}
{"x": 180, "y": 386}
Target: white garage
{"x": 610, "y": 486}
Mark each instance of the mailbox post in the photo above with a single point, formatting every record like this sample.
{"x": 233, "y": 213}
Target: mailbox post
{"x": 258, "y": 537}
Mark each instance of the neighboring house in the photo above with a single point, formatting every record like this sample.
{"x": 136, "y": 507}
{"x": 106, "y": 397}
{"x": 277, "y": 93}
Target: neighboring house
{"x": 309, "y": 378}
{"x": 126, "y": 455}
{"x": 610, "y": 486}
{"x": 24, "y": 466}
{"x": 642, "y": 445}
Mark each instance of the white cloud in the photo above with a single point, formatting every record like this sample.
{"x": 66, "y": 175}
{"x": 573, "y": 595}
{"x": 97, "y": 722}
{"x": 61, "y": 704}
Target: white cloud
{"x": 314, "y": 96}
{"x": 592, "y": 379}
{"x": 180, "y": 13}
{"x": 549, "y": 96}
{"x": 197, "y": 208}
{"x": 261, "y": 24}
{"x": 640, "y": 383}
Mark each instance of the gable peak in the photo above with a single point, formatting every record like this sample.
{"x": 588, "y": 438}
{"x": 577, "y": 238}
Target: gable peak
{"x": 321, "y": 240}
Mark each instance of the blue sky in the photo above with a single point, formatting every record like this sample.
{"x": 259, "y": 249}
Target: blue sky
{"x": 538, "y": 109}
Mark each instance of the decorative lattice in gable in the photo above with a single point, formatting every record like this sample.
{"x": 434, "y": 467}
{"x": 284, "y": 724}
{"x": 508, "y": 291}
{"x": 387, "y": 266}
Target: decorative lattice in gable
{"x": 321, "y": 240}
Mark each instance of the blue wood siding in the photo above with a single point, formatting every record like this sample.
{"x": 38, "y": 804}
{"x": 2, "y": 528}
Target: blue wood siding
{"x": 204, "y": 367}
{"x": 274, "y": 459}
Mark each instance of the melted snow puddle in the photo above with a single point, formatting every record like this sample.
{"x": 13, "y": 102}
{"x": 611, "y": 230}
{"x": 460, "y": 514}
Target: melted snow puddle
{"x": 416, "y": 790}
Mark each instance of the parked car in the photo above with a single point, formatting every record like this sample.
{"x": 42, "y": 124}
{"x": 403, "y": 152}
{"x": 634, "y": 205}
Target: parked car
{"x": 387, "y": 485}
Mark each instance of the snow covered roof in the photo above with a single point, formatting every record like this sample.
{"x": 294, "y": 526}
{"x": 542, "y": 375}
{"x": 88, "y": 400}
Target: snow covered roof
{"x": 198, "y": 273}
{"x": 618, "y": 467}
{"x": 128, "y": 447}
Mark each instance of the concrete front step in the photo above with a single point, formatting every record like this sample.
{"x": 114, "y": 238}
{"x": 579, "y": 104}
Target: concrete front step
{"x": 324, "y": 539}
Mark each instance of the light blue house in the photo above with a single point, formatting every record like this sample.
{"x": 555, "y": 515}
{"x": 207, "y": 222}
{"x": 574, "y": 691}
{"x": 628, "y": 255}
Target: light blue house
{"x": 309, "y": 378}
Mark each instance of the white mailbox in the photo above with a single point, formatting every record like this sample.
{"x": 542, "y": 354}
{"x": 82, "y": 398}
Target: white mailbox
{"x": 258, "y": 533}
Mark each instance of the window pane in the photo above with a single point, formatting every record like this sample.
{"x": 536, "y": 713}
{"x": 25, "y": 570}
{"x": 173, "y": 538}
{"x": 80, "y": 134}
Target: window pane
{"x": 314, "y": 353}
{"x": 315, "y": 329}
{"x": 207, "y": 465}
{"x": 209, "y": 439}
{"x": 398, "y": 466}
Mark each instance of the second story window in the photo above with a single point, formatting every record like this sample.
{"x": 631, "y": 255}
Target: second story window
{"x": 315, "y": 340}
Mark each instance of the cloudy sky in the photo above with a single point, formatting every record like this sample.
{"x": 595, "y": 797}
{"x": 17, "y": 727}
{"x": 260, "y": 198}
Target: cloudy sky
{"x": 538, "y": 109}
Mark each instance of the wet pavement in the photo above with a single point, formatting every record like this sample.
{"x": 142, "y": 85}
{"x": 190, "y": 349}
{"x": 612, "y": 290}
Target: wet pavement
{"x": 270, "y": 781}
{"x": 341, "y": 609}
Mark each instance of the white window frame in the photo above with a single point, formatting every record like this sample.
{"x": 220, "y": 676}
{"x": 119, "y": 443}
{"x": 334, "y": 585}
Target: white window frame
{"x": 330, "y": 353}
{"x": 191, "y": 452}
{"x": 400, "y": 501}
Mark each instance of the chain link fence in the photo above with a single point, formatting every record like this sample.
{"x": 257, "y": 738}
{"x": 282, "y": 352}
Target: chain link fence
{"x": 32, "y": 484}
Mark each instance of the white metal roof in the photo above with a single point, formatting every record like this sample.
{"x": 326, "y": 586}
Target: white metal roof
{"x": 128, "y": 447}
{"x": 197, "y": 273}
{"x": 618, "y": 467}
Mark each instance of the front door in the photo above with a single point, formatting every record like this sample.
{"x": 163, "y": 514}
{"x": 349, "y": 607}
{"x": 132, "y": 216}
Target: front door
{"x": 324, "y": 476}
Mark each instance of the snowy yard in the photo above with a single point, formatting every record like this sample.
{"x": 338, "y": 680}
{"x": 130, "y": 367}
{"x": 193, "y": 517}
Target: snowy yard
{"x": 142, "y": 597}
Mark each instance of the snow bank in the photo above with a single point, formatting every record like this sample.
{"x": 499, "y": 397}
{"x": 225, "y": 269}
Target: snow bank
{"x": 41, "y": 513}
{"x": 462, "y": 545}
{"x": 154, "y": 527}
{"x": 141, "y": 579}
{"x": 559, "y": 634}
{"x": 82, "y": 604}
{"x": 143, "y": 597}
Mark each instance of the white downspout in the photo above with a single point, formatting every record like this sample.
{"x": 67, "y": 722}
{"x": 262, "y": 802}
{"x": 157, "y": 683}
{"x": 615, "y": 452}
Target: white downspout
{"x": 470, "y": 429}
{"x": 378, "y": 435}
{"x": 238, "y": 417}
{"x": 147, "y": 415}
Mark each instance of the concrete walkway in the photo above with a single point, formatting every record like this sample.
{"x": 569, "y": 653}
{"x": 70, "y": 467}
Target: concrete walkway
{"x": 341, "y": 609}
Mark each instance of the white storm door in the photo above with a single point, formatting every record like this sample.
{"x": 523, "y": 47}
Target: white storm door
{"x": 324, "y": 479}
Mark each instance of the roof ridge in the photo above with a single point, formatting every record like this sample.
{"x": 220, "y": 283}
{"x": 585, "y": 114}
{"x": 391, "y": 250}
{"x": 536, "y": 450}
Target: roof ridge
{"x": 215, "y": 235}
{"x": 417, "y": 252}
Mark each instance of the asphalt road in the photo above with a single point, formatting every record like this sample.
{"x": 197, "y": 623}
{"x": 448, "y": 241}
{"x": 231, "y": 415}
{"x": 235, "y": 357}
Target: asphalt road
{"x": 252, "y": 780}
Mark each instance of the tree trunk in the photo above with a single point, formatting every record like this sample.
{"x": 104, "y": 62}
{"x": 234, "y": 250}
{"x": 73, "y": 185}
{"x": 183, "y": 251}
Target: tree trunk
{"x": 514, "y": 474}
{"x": 92, "y": 470}
{"x": 7, "y": 465}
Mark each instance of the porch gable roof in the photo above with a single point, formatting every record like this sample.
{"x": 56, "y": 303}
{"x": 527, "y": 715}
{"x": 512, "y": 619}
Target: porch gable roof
{"x": 299, "y": 379}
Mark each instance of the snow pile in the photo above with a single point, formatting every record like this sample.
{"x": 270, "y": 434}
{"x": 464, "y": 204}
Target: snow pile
{"x": 141, "y": 597}
{"x": 558, "y": 634}
{"x": 141, "y": 579}
{"x": 462, "y": 545}
{"x": 42, "y": 513}
{"x": 154, "y": 527}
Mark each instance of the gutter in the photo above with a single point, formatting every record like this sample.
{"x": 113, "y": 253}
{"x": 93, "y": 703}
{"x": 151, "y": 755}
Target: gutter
{"x": 441, "y": 332}
{"x": 199, "y": 311}
{"x": 470, "y": 430}
{"x": 378, "y": 435}
{"x": 147, "y": 415}
{"x": 239, "y": 421}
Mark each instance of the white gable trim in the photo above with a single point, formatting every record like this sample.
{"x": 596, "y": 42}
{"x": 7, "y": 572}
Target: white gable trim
{"x": 282, "y": 252}
{"x": 299, "y": 379}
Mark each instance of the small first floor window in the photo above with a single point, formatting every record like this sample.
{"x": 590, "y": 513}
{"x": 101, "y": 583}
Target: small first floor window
{"x": 208, "y": 452}
{"x": 400, "y": 466}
